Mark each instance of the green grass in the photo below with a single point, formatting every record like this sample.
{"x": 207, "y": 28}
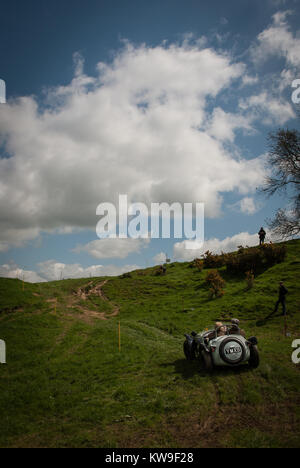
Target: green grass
{"x": 67, "y": 385}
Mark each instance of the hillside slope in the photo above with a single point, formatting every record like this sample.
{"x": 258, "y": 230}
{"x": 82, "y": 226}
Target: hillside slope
{"x": 66, "y": 384}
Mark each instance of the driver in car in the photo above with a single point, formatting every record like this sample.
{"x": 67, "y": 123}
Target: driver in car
{"x": 222, "y": 329}
{"x": 235, "y": 328}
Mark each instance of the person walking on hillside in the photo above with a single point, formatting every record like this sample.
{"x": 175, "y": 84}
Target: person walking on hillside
{"x": 262, "y": 235}
{"x": 281, "y": 299}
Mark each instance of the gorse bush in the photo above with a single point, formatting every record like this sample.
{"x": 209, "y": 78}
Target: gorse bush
{"x": 256, "y": 258}
{"x": 216, "y": 284}
{"x": 274, "y": 253}
{"x": 197, "y": 263}
{"x": 160, "y": 271}
{"x": 246, "y": 259}
{"x": 249, "y": 279}
{"x": 214, "y": 261}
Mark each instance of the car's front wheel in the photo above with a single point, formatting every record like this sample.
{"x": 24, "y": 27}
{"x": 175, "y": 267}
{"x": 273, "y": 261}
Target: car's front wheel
{"x": 207, "y": 360}
{"x": 188, "y": 351}
{"x": 254, "y": 357}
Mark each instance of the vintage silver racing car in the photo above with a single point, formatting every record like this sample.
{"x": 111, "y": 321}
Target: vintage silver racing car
{"x": 223, "y": 346}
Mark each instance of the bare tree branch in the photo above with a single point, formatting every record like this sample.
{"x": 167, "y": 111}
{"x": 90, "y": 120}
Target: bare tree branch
{"x": 284, "y": 162}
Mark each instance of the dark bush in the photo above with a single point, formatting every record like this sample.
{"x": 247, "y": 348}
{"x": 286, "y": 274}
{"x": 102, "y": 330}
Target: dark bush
{"x": 126, "y": 275}
{"x": 160, "y": 271}
{"x": 250, "y": 279}
{"x": 214, "y": 261}
{"x": 256, "y": 258}
{"x": 197, "y": 263}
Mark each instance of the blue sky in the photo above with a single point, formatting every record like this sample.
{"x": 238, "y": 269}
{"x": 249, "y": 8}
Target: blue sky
{"x": 163, "y": 100}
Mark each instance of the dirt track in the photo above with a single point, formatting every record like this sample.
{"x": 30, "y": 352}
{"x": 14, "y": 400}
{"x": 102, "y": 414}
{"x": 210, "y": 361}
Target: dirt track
{"x": 83, "y": 294}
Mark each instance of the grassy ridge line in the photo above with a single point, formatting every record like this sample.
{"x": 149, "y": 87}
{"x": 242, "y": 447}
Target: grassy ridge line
{"x": 161, "y": 301}
{"x": 67, "y": 385}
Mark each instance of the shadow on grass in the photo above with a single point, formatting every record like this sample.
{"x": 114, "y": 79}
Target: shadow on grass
{"x": 188, "y": 369}
{"x": 269, "y": 318}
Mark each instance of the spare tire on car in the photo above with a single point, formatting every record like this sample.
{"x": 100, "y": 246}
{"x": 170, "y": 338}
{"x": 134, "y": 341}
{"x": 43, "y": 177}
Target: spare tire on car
{"x": 232, "y": 351}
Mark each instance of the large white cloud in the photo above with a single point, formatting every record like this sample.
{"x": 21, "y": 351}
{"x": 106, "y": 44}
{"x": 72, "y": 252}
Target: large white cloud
{"x": 139, "y": 127}
{"x": 112, "y": 248}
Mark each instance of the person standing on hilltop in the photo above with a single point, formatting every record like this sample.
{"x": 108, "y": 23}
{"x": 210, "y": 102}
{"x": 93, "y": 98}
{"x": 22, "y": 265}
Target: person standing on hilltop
{"x": 262, "y": 235}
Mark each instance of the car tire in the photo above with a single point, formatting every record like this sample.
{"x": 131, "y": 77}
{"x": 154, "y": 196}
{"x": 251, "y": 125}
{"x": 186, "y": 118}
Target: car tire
{"x": 254, "y": 357}
{"x": 207, "y": 360}
{"x": 188, "y": 352}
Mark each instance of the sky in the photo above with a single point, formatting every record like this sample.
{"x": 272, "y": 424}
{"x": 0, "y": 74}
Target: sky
{"x": 164, "y": 101}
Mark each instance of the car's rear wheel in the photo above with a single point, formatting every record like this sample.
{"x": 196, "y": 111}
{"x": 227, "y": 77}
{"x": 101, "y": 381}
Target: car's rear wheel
{"x": 207, "y": 360}
{"x": 254, "y": 357}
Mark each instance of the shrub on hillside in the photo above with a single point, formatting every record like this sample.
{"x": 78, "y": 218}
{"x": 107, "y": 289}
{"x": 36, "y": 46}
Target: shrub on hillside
{"x": 214, "y": 261}
{"x": 256, "y": 258}
{"x": 274, "y": 253}
{"x": 126, "y": 275}
{"x": 141, "y": 272}
{"x": 197, "y": 263}
{"x": 216, "y": 284}
{"x": 250, "y": 279}
{"x": 160, "y": 271}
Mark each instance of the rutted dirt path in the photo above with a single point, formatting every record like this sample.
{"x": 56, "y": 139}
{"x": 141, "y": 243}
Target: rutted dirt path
{"x": 83, "y": 293}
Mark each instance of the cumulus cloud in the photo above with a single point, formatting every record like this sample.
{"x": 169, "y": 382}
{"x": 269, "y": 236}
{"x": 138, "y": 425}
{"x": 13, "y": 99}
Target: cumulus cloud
{"x": 249, "y": 80}
{"x": 268, "y": 108}
{"x": 222, "y": 125}
{"x": 246, "y": 205}
{"x": 160, "y": 258}
{"x": 216, "y": 246}
{"x": 13, "y": 271}
{"x": 137, "y": 127}
{"x": 277, "y": 39}
{"x": 113, "y": 248}
{"x": 52, "y": 270}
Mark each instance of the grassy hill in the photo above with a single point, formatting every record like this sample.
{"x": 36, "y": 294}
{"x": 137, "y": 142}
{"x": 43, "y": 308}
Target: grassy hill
{"x": 67, "y": 385}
